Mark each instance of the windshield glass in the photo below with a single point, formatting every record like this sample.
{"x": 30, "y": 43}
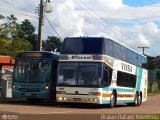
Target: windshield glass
{"x": 80, "y": 74}
{"x": 32, "y": 71}
{"x": 83, "y": 46}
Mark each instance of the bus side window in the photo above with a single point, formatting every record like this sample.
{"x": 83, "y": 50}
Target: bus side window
{"x": 106, "y": 80}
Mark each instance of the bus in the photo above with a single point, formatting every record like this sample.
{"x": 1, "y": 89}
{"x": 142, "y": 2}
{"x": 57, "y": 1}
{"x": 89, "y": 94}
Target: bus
{"x": 34, "y": 76}
{"x": 99, "y": 70}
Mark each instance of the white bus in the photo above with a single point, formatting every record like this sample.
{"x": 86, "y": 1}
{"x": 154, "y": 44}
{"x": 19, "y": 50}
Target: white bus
{"x": 100, "y": 71}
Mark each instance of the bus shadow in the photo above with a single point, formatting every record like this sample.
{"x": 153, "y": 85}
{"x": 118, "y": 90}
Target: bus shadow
{"x": 51, "y": 104}
{"x": 88, "y": 106}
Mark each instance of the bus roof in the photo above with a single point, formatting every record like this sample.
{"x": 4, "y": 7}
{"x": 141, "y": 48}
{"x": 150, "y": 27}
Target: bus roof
{"x": 37, "y": 54}
{"x": 110, "y": 40}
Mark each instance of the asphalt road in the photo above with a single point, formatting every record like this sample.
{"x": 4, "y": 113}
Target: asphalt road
{"x": 21, "y": 107}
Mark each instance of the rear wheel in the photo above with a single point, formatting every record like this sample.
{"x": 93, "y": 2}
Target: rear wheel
{"x": 112, "y": 100}
{"x": 137, "y": 100}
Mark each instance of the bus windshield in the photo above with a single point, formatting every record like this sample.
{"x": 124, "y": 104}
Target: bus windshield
{"x": 80, "y": 74}
{"x": 32, "y": 71}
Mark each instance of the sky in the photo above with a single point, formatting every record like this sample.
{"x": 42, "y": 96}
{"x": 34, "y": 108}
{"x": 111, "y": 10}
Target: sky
{"x": 133, "y": 23}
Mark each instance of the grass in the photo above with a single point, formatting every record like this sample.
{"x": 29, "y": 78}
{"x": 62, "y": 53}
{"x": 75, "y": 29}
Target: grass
{"x": 157, "y": 91}
{"x": 158, "y": 84}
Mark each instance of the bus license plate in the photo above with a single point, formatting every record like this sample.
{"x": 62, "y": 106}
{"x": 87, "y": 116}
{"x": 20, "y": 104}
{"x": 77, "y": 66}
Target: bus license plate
{"x": 28, "y": 94}
{"x": 76, "y": 99}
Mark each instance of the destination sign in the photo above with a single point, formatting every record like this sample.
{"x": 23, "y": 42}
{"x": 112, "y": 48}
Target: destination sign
{"x": 80, "y": 57}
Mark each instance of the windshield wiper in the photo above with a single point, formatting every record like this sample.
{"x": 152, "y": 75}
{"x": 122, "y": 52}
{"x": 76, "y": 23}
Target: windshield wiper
{"x": 64, "y": 84}
{"x": 90, "y": 85}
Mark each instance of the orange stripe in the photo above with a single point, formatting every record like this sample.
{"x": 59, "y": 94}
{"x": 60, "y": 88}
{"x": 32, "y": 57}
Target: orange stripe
{"x": 106, "y": 95}
{"x": 125, "y": 95}
{"x": 108, "y": 64}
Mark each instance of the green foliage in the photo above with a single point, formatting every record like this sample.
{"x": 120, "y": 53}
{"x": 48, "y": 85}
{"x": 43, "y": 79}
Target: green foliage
{"x": 52, "y": 43}
{"x": 1, "y": 17}
{"x": 4, "y": 43}
{"x": 15, "y": 37}
{"x": 9, "y": 29}
{"x": 18, "y": 45}
{"x": 27, "y": 33}
{"x": 12, "y": 47}
{"x": 10, "y": 42}
{"x": 156, "y": 92}
{"x": 151, "y": 64}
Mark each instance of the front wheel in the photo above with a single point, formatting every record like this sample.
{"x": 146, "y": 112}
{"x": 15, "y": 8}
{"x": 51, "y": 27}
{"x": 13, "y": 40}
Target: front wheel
{"x": 112, "y": 100}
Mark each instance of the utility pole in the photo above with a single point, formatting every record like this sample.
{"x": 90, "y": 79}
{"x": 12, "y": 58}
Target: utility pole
{"x": 43, "y": 7}
{"x": 143, "y": 48}
{"x": 40, "y": 25}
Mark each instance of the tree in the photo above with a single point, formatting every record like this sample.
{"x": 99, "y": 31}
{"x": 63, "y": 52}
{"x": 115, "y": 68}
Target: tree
{"x": 1, "y": 17}
{"x": 17, "y": 46}
{"x": 12, "y": 47}
{"x": 4, "y": 43}
{"x": 27, "y": 33}
{"x": 52, "y": 43}
{"x": 151, "y": 63}
{"x": 9, "y": 29}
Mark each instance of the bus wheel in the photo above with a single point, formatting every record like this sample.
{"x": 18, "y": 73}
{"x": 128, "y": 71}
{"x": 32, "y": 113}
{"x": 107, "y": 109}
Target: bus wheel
{"x": 137, "y": 100}
{"x": 112, "y": 100}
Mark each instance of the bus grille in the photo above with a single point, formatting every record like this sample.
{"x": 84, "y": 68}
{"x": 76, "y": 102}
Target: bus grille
{"x": 29, "y": 89}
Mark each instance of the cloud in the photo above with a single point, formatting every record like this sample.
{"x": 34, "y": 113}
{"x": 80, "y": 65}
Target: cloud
{"x": 116, "y": 10}
{"x": 108, "y": 18}
{"x": 67, "y": 19}
{"x": 143, "y": 35}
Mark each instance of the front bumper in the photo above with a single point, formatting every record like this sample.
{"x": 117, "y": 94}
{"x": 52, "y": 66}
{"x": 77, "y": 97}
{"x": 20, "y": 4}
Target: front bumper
{"x": 79, "y": 99}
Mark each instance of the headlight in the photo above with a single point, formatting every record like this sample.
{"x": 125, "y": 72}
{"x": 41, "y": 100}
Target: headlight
{"x": 46, "y": 87}
{"x": 91, "y": 99}
{"x": 62, "y": 98}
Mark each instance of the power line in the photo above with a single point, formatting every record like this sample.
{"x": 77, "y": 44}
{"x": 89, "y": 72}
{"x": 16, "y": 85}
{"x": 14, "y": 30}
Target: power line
{"x": 104, "y": 23}
{"x": 143, "y": 48}
{"x": 96, "y": 20}
{"x": 13, "y": 5}
{"x": 8, "y": 11}
{"x": 61, "y": 28}
{"x": 98, "y": 27}
{"x": 52, "y": 26}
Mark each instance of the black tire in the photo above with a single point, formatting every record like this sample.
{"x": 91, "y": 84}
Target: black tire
{"x": 112, "y": 100}
{"x": 137, "y": 100}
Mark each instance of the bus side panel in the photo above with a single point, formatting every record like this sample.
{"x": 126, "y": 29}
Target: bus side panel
{"x": 142, "y": 82}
